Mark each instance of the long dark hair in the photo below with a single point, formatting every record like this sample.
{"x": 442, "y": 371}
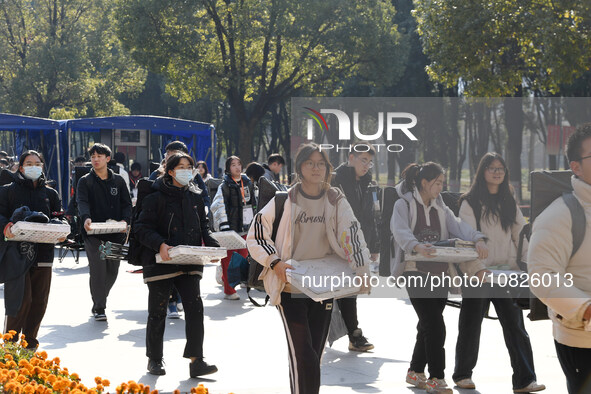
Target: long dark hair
{"x": 501, "y": 205}
{"x": 414, "y": 173}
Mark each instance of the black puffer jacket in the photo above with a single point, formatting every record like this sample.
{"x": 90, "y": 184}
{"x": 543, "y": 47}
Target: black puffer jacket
{"x": 42, "y": 198}
{"x": 228, "y": 204}
{"x": 360, "y": 196}
{"x": 175, "y": 216}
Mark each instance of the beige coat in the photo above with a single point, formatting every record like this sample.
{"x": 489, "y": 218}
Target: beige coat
{"x": 549, "y": 254}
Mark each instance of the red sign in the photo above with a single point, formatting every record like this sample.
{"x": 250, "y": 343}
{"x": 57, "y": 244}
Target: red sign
{"x": 553, "y": 140}
{"x": 554, "y": 144}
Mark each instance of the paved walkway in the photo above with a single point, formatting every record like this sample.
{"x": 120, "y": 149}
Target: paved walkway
{"x": 248, "y": 344}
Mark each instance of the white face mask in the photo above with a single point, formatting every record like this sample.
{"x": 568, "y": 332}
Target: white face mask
{"x": 183, "y": 176}
{"x": 33, "y": 172}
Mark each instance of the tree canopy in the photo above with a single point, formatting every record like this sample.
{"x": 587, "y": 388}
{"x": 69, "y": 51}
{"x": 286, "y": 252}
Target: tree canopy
{"x": 255, "y": 53}
{"x": 61, "y": 57}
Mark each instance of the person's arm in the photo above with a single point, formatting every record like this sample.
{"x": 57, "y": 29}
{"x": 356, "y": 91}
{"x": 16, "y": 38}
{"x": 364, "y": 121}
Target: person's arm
{"x": 205, "y": 194}
{"x": 82, "y": 199}
{"x": 208, "y": 240}
{"x": 516, "y": 232}
{"x": 258, "y": 240}
{"x": 400, "y": 227}
{"x": 125, "y": 202}
{"x": 351, "y": 239}
{"x": 548, "y": 260}
{"x": 218, "y": 209}
{"x": 4, "y": 208}
{"x": 145, "y": 229}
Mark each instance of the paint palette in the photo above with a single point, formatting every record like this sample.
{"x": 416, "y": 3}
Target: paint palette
{"x": 229, "y": 240}
{"x": 108, "y": 227}
{"x": 46, "y": 233}
{"x": 185, "y": 254}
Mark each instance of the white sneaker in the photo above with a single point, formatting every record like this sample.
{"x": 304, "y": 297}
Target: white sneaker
{"x": 531, "y": 388}
{"x": 466, "y": 384}
{"x": 179, "y": 306}
{"x": 218, "y": 275}
{"x": 416, "y": 379}
{"x": 438, "y": 386}
{"x": 233, "y": 297}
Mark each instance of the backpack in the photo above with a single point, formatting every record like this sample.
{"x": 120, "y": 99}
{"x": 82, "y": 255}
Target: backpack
{"x": 389, "y": 196}
{"x": 135, "y": 249}
{"x": 267, "y": 190}
{"x": 547, "y": 186}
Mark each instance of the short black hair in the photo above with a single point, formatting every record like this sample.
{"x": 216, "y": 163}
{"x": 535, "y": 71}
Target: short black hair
{"x": 80, "y": 159}
{"x": 119, "y": 157}
{"x": 177, "y": 146}
{"x": 135, "y": 166}
{"x": 100, "y": 149}
{"x": 574, "y": 146}
{"x": 276, "y": 158}
{"x": 254, "y": 171}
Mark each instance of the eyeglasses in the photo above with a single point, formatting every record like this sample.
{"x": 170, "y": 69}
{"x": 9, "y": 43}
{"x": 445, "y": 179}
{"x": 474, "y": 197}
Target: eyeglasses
{"x": 366, "y": 163}
{"x": 321, "y": 165}
{"x": 496, "y": 170}
{"x": 583, "y": 158}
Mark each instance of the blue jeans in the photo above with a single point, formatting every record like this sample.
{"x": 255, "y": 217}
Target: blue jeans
{"x": 516, "y": 338}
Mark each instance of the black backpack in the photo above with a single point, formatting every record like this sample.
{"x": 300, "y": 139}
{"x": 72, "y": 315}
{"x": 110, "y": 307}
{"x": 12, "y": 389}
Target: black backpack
{"x": 135, "y": 249}
{"x": 547, "y": 186}
{"x": 267, "y": 190}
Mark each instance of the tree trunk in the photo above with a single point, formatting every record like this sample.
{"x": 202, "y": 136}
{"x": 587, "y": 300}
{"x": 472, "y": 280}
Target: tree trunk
{"x": 514, "y": 124}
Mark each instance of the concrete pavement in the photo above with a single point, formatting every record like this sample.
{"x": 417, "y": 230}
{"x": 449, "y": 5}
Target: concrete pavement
{"x": 248, "y": 344}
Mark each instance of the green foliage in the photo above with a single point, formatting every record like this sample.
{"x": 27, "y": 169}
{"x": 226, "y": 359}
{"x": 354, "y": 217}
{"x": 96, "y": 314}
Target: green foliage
{"x": 62, "y": 54}
{"x": 254, "y": 53}
{"x": 495, "y": 46}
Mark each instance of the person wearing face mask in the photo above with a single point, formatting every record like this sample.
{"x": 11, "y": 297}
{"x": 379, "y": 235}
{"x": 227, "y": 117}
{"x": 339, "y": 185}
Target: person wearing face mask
{"x": 233, "y": 209}
{"x": 29, "y": 189}
{"x": 174, "y": 215}
{"x": 421, "y": 218}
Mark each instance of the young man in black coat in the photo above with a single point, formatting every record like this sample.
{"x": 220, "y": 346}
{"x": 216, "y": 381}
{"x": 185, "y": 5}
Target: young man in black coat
{"x": 102, "y": 195}
{"x": 354, "y": 179}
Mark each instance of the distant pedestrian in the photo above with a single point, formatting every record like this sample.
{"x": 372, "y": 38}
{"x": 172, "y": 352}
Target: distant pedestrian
{"x": 275, "y": 163}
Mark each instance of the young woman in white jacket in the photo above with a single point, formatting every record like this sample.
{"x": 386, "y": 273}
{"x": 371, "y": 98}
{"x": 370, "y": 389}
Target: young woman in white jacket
{"x": 489, "y": 207}
{"x": 317, "y": 221}
{"x": 420, "y": 219}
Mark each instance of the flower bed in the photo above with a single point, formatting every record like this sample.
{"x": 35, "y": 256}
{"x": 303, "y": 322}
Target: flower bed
{"x": 29, "y": 372}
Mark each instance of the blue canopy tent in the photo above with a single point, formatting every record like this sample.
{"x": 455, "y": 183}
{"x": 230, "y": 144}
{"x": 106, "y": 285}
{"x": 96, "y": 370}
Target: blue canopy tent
{"x": 42, "y": 135}
{"x": 198, "y": 136}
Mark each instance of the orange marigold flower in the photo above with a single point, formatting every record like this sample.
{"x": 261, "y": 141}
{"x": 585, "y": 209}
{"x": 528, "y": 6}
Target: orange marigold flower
{"x": 51, "y": 379}
{"x": 98, "y": 380}
{"x": 154, "y": 392}
{"x": 106, "y": 382}
{"x": 42, "y": 354}
{"x": 8, "y": 357}
{"x": 23, "y": 363}
{"x": 146, "y": 390}
{"x": 75, "y": 376}
{"x": 7, "y": 337}
{"x": 100, "y": 387}
{"x": 56, "y": 360}
{"x": 12, "y": 332}
{"x": 29, "y": 389}
{"x": 177, "y": 391}
{"x": 24, "y": 343}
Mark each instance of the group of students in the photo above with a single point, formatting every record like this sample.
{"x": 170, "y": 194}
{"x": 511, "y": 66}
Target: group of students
{"x": 323, "y": 217}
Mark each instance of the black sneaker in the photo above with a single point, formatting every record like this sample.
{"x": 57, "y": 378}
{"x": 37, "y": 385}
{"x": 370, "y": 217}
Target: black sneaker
{"x": 155, "y": 367}
{"x": 358, "y": 343}
{"x": 100, "y": 316}
{"x": 201, "y": 368}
